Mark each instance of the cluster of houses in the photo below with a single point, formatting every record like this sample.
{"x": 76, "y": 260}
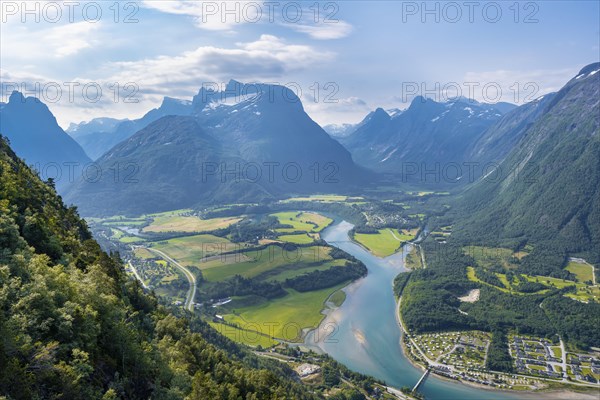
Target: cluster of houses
{"x": 465, "y": 376}
{"x": 470, "y": 341}
{"x": 528, "y": 353}
{"x": 575, "y": 361}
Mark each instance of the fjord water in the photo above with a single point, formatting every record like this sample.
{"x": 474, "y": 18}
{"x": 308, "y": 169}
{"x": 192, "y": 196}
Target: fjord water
{"x": 363, "y": 332}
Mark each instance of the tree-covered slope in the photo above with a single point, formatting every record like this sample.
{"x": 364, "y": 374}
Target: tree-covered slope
{"x": 73, "y": 326}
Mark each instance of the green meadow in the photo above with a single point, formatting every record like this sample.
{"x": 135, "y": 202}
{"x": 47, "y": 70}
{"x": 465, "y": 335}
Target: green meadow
{"x": 183, "y": 223}
{"x": 247, "y": 337}
{"x": 266, "y": 261}
{"x": 583, "y": 271}
{"x": 302, "y": 221}
{"x": 284, "y": 318}
{"x": 190, "y": 250}
{"x": 384, "y": 243}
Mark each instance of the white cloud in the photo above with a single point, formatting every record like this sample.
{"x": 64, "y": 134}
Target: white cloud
{"x": 224, "y": 16}
{"x": 71, "y": 38}
{"x": 268, "y": 59}
{"x": 518, "y": 86}
{"x": 23, "y": 42}
{"x": 325, "y": 30}
{"x": 209, "y": 15}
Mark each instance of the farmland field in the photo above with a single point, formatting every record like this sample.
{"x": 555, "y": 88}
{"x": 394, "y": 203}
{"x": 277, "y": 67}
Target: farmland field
{"x": 140, "y": 252}
{"x": 384, "y": 243}
{"x": 302, "y": 221}
{"x": 285, "y": 317}
{"x": 180, "y": 223}
{"x": 261, "y": 262}
{"x": 247, "y": 337}
{"x": 583, "y": 271}
{"x": 298, "y": 239}
{"x": 189, "y": 250}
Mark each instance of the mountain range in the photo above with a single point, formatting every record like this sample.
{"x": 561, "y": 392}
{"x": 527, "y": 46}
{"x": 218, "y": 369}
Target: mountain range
{"x": 425, "y": 135}
{"x": 248, "y": 142}
{"x": 101, "y": 134}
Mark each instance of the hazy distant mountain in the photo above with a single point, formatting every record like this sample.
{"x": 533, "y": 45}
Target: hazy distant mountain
{"x": 247, "y": 143}
{"x": 95, "y": 125}
{"x": 548, "y": 187}
{"x": 339, "y": 130}
{"x": 425, "y": 134}
{"x": 36, "y": 137}
{"x": 101, "y": 134}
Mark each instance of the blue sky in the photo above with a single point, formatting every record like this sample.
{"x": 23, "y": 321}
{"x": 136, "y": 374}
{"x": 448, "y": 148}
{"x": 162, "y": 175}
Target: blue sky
{"x": 367, "y": 54}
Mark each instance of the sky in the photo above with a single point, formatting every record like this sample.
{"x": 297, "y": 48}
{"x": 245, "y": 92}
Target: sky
{"x": 89, "y": 59}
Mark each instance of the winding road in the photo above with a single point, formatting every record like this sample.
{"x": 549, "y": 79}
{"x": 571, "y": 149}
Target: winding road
{"x": 191, "y": 294}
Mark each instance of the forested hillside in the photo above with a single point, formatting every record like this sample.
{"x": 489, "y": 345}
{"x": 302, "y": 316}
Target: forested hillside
{"x": 546, "y": 192}
{"x": 73, "y": 326}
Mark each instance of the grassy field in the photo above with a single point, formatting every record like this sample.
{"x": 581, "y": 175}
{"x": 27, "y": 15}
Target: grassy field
{"x": 413, "y": 258}
{"x": 293, "y": 270}
{"x": 472, "y": 277}
{"x": 486, "y": 257}
{"x": 583, "y": 292}
{"x": 143, "y": 253}
{"x": 131, "y": 239}
{"x": 265, "y": 261}
{"x": 583, "y": 271}
{"x": 557, "y": 351}
{"x": 190, "y": 250}
{"x": 243, "y": 336}
{"x": 116, "y": 233}
{"x": 338, "y": 298}
{"x": 298, "y": 239}
{"x": 384, "y": 243}
{"x": 284, "y": 318}
{"x": 302, "y": 221}
{"x": 124, "y": 237}
{"x": 181, "y": 223}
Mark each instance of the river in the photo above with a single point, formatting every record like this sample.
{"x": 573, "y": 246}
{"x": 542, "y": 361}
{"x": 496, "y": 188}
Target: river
{"x": 364, "y": 335}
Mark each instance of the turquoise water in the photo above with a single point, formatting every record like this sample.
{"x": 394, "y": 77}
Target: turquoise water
{"x": 364, "y": 335}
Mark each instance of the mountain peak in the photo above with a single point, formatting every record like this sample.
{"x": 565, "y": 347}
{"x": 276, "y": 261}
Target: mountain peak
{"x": 380, "y": 111}
{"x": 233, "y": 86}
{"x": 171, "y": 101}
{"x": 378, "y": 115}
{"x": 420, "y": 101}
{"x": 16, "y": 97}
{"x": 462, "y": 99}
{"x": 589, "y": 68}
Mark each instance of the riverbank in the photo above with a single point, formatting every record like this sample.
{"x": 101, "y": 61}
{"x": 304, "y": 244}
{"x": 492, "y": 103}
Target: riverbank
{"x": 549, "y": 393}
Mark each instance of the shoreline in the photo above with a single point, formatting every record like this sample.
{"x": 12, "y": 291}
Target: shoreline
{"x": 558, "y": 394}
